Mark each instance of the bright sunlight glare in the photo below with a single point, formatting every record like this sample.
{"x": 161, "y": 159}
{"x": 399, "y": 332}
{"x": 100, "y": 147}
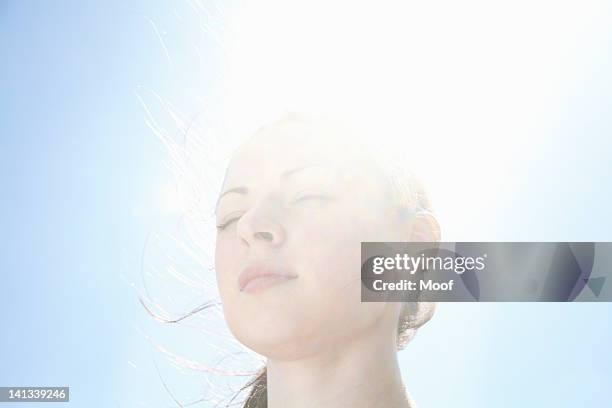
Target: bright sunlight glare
{"x": 465, "y": 90}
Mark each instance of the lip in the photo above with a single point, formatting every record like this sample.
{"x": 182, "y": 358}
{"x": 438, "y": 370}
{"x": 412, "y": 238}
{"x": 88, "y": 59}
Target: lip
{"x": 260, "y": 277}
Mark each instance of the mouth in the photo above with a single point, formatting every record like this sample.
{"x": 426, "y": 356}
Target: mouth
{"x": 256, "y": 279}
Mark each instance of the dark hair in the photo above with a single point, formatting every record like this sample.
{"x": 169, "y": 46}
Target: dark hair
{"x": 258, "y": 396}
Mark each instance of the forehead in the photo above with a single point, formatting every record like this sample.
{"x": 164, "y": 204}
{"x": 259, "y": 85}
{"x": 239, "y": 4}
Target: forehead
{"x": 279, "y": 148}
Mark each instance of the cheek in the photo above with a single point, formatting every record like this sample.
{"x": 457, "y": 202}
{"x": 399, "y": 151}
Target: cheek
{"x": 226, "y": 266}
{"x": 332, "y": 263}
{"x": 333, "y": 252}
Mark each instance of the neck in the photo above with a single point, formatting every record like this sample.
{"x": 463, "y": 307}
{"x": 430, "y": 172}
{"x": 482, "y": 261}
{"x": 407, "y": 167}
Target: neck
{"x": 362, "y": 373}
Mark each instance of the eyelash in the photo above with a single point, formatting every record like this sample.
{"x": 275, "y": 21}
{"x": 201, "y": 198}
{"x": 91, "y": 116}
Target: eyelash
{"x": 309, "y": 196}
{"x": 299, "y": 198}
{"x": 226, "y": 223}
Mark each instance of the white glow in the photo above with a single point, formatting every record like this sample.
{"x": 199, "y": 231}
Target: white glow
{"x": 471, "y": 86}
{"x": 173, "y": 199}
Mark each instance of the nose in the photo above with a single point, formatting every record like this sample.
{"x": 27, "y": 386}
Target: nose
{"x": 261, "y": 226}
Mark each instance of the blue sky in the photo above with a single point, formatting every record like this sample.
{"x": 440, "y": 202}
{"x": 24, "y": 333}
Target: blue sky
{"x": 81, "y": 172}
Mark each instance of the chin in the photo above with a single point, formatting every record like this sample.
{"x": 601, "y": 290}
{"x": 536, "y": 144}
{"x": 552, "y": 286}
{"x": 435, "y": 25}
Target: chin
{"x": 273, "y": 345}
{"x": 273, "y": 338}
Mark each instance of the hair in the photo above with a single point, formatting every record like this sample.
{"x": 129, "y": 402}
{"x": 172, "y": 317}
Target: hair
{"x": 410, "y": 194}
{"x": 405, "y": 190}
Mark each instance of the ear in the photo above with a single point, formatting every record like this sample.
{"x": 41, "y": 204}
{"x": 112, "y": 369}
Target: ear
{"x": 425, "y": 228}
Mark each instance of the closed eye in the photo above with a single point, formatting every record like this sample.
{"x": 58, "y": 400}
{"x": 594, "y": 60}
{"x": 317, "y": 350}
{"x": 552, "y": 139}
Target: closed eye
{"x": 227, "y": 223}
{"x": 309, "y": 195}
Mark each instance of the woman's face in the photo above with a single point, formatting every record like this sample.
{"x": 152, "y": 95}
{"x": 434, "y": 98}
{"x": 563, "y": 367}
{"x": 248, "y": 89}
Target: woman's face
{"x": 296, "y": 208}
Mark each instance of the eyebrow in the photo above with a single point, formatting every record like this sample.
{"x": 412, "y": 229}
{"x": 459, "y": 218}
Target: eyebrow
{"x": 284, "y": 175}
